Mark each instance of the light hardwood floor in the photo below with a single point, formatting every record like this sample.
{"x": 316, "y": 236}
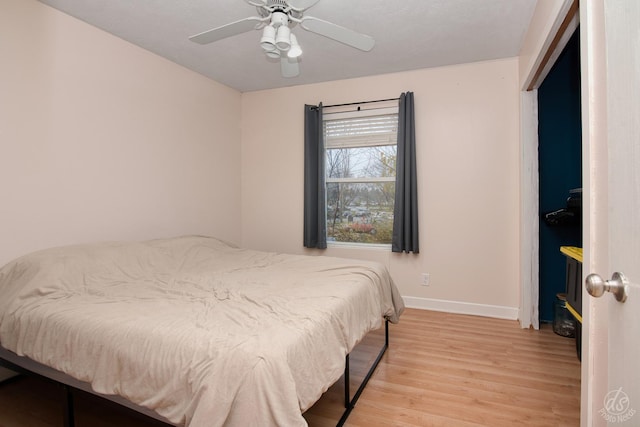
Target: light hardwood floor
{"x": 440, "y": 370}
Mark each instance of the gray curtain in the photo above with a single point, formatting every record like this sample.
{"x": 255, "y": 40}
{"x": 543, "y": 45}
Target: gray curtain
{"x": 405, "y": 211}
{"x": 315, "y": 217}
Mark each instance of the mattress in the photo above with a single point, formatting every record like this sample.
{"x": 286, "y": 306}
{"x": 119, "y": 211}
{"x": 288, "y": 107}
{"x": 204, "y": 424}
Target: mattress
{"x": 199, "y": 331}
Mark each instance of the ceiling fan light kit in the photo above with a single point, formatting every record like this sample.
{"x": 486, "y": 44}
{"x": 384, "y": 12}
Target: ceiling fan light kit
{"x": 268, "y": 40}
{"x": 276, "y": 19}
{"x": 295, "y": 50}
{"x": 283, "y": 38}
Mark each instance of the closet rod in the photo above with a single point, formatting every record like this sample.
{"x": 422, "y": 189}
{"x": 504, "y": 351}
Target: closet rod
{"x": 358, "y": 103}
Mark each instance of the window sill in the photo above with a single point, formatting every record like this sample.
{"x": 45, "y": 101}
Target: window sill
{"x": 360, "y": 246}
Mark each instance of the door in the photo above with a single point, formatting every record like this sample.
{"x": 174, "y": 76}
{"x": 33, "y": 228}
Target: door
{"x": 611, "y": 156}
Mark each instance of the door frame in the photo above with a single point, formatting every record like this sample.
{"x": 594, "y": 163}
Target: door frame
{"x": 594, "y": 156}
{"x": 555, "y": 38}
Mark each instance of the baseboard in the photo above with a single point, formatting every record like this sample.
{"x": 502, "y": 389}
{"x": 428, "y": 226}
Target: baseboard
{"x": 497, "y": 311}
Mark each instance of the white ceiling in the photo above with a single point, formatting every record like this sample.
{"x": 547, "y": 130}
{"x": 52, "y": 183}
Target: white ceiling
{"x": 409, "y": 34}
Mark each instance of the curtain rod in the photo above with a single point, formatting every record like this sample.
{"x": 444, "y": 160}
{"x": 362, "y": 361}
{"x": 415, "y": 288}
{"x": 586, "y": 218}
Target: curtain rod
{"x": 357, "y": 103}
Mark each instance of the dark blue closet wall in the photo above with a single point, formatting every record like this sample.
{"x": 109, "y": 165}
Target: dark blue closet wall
{"x": 560, "y": 163}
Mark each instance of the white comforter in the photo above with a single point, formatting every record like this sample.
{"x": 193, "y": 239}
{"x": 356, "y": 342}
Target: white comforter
{"x": 201, "y": 332}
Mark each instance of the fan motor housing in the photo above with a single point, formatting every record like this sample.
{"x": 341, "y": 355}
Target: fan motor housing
{"x": 272, "y": 3}
{"x": 271, "y": 6}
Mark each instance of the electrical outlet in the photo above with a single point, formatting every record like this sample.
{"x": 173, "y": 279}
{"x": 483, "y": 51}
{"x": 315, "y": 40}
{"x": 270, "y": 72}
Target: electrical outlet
{"x": 425, "y": 279}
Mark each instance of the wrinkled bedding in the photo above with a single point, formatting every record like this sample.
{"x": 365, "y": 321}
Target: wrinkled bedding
{"x": 201, "y": 332}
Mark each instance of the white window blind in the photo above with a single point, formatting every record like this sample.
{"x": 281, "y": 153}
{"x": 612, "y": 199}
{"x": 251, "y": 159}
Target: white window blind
{"x": 362, "y": 130}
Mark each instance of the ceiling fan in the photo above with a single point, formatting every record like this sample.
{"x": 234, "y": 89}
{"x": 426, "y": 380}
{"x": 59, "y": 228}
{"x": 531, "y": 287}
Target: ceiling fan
{"x": 276, "y": 18}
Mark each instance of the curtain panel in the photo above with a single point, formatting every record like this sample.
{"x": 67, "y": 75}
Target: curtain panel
{"x": 405, "y": 211}
{"x": 315, "y": 216}
{"x": 405, "y": 222}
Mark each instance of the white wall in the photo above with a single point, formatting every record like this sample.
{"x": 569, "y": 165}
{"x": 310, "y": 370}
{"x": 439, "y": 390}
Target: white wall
{"x": 102, "y": 140}
{"x": 467, "y": 120}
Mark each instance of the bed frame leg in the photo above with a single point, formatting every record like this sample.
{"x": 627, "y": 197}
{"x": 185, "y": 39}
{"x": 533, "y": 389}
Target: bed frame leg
{"x": 350, "y": 403}
{"x": 67, "y": 399}
{"x": 347, "y": 393}
{"x": 68, "y": 414}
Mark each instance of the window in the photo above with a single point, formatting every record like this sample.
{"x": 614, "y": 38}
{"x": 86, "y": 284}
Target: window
{"x": 360, "y": 175}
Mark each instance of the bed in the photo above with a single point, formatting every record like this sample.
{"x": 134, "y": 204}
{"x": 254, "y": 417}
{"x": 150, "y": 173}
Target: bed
{"x": 192, "y": 329}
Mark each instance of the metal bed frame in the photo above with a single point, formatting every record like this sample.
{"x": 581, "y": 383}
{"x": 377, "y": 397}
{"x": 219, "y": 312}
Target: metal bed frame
{"x": 69, "y": 384}
{"x": 349, "y": 402}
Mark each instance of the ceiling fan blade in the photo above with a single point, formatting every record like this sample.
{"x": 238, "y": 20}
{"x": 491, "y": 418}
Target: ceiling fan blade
{"x": 301, "y": 4}
{"x": 232, "y": 29}
{"x": 289, "y": 67}
{"x": 338, "y": 33}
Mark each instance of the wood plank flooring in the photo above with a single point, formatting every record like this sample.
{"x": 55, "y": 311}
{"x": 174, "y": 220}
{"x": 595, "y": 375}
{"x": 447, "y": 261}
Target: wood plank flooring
{"x": 440, "y": 370}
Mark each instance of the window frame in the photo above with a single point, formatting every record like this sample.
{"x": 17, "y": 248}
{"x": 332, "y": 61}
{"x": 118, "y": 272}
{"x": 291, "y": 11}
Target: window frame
{"x": 383, "y": 111}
